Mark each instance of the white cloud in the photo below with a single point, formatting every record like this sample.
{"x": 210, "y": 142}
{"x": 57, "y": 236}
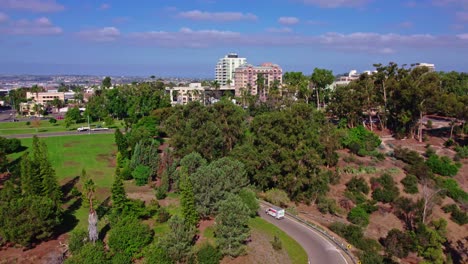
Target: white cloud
{"x": 3, "y": 17}
{"x": 216, "y": 16}
{"x": 40, "y": 6}
{"x": 336, "y": 3}
{"x": 280, "y": 30}
{"x": 463, "y": 36}
{"x": 40, "y": 26}
{"x": 288, "y": 20}
{"x": 106, "y": 34}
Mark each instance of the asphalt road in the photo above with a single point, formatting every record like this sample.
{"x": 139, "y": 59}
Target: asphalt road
{"x": 58, "y": 134}
{"x": 319, "y": 249}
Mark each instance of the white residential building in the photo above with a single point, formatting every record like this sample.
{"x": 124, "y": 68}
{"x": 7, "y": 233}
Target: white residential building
{"x": 186, "y": 94}
{"x": 428, "y": 65}
{"x": 224, "y": 72}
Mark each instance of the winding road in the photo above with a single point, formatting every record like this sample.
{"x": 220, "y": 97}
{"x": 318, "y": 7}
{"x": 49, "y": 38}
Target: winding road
{"x": 319, "y": 249}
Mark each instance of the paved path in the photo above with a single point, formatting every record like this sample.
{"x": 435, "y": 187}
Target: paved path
{"x": 58, "y": 134}
{"x": 319, "y": 249}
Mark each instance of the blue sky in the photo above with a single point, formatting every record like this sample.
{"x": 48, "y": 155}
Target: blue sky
{"x": 187, "y": 37}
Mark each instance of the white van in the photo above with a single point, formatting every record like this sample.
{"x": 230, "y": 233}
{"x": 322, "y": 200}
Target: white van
{"x": 276, "y": 212}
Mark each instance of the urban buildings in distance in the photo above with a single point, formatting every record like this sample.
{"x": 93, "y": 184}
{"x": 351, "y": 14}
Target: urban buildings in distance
{"x": 224, "y": 72}
{"x": 246, "y": 77}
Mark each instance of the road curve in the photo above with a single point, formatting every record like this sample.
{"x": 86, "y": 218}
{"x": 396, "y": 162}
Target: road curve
{"x": 319, "y": 249}
{"x": 58, "y": 134}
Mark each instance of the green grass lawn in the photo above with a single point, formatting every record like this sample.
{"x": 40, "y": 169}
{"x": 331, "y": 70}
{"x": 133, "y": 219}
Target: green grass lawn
{"x": 70, "y": 154}
{"x": 296, "y": 253}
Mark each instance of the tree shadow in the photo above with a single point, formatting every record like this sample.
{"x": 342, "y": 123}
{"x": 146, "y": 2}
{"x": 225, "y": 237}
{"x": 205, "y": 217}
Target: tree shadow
{"x": 454, "y": 252}
{"x": 67, "y": 187}
{"x": 74, "y": 206}
{"x": 104, "y": 207}
{"x": 103, "y": 232}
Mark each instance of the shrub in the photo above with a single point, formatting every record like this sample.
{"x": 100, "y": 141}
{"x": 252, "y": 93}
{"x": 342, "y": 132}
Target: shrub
{"x": 129, "y": 236}
{"x": 52, "y": 120}
{"x": 89, "y": 253}
{"x": 410, "y": 182}
{"x": 357, "y": 197}
{"x": 277, "y": 197}
{"x": 452, "y": 189}
{"x": 163, "y": 215}
{"x": 429, "y": 151}
{"x": 207, "y": 254}
{"x": 141, "y": 175}
{"x": 449, "y": 143}
{"x": 156, "y": 254}
{"x": 409, "y": 156}
{"x": 358, "y": 184}
{"x": 77, "y": 240}
{"x": 121, "y": 258}
{"x": 429, "y": 124}
{"x": 457, "y": 215}
{"x": 442, "y": 166}
{"x": 354, "y": 235}
{"x": 360, "y": 140}
{"x": 28, "y": 123}
{"x": 327, "y": 205}
{"x": 462, "y": 152}
{"x": 358, "y": 216}
{"x": 161, "y": 192}
{"x": 387, "y": 192}
{"x": 276, "y": 243}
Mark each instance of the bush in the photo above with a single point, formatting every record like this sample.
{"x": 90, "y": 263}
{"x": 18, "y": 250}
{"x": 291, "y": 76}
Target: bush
{"x": 327, "y": 205}
{"x": 52, "y": 120}
{"x": 89, "y": 253}
{"x": 449, "y": 143}
{"x": 409, "y": 156}
{"x": 429, "y": 151}
{"x": 28, "y": 123}
{"x": 11, "y": 145}
{"x": 358, "y": 184}
{"x": 276, "y": 243}
{"x": 207, "y": 254}
{"x": 126, "y": 172}
{"x": 163, "y": 215}
{"x": 161, "y": 192}
{"x": 360, "y": 140}
{"x": 121, "y": 258}
{"x": 442, "y": 165}
{"x": 358, "y": 216}
{"x": 452, "y": 189}
{"x": 386, "y": 191}
{"x": 410, "y": 182}
{"x": 457, "y": 215}
{"x": 77, "y": 240}
{"x": 462, "y": 152}
{"x": 277, "y": 197}
{"x": 141, "y": 175}
{"x": 129, "y": 236}
{"x": 354, "y": 235}
{"x": 156, "y": 254}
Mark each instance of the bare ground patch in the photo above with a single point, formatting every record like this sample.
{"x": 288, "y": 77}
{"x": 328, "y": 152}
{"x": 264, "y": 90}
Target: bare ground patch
{"x": 144, "y": 193}
{"x": 71, "y": 163}
{"x": 108, "y": 158}
{"x": 71, "y": 144}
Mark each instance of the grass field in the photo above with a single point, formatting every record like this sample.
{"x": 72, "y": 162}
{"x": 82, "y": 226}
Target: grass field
{"x": 70, "y": 154}
{"x": 296, "y": 253}
{"x": 12, "y": 128}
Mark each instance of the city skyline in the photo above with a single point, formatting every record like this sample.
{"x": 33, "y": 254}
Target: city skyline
{"x": 180, "y": 38}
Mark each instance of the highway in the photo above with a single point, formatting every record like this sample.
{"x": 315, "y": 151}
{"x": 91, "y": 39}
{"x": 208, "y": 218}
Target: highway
{"x": 319, "y": 249}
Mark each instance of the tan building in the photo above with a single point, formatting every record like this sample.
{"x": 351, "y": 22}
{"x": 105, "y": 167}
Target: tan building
{"x": 44, "y": 98}
{"x": 184, "y": 95}
{"x": 30, "y": 109}
{"x": 246, "y": 77}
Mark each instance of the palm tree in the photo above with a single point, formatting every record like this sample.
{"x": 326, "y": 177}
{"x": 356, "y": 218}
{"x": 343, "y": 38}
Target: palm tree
{"x": 36, "y": 89}
{"x": 261, "y": 91}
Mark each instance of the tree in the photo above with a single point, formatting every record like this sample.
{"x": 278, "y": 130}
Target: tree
{"x": 129, "y": 236}
{"x": 106, "y": 82}
{"x": 90, "y": 253}
{"x": 208, "y": 254}
{"x": 28, "y": 219}
{"x": 192, "y": 162}
{"x": 358, "y": 184}
{"x": 321, "y": 78}
{"x": 212, "y": 183}
{"x": 232, "y": 228}
{"x": 141, "y": 175}
{"x": 88, "y": 192}
{"x": 118, "y": 195}
{"x": 121, "y": 142}
{"x": 178, "y": 242}
{"x": 155, "y": 254}
{"x": 249, "y": 198}
{"x": 187, "y": 199}
{"x": 73, "y": 114}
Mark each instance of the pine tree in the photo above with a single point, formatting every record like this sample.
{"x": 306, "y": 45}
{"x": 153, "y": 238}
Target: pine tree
{"x": 50, "y": 186}
{"x": 30, "y": 184}
{"x": 122, "y": 145}
{"x": 119, "y": 197}
{"x": 187, "y": 199}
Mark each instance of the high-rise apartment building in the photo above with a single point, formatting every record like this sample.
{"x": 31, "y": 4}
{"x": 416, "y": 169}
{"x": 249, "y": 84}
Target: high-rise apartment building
{"x": 226, "y": 67}
{"x": 246, "y": 77}
{"x": 428, "y": 65}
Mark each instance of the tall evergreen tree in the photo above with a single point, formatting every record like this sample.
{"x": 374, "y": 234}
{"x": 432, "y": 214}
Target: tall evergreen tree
{"x": 187, "y": 199}
{"x": 119, "y": 197}
{"x": 30, "y": 184}
{"x": 121, "y": 141}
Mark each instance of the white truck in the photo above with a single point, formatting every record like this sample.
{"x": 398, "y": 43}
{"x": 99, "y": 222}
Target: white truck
{"x": 276, "y": 212}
